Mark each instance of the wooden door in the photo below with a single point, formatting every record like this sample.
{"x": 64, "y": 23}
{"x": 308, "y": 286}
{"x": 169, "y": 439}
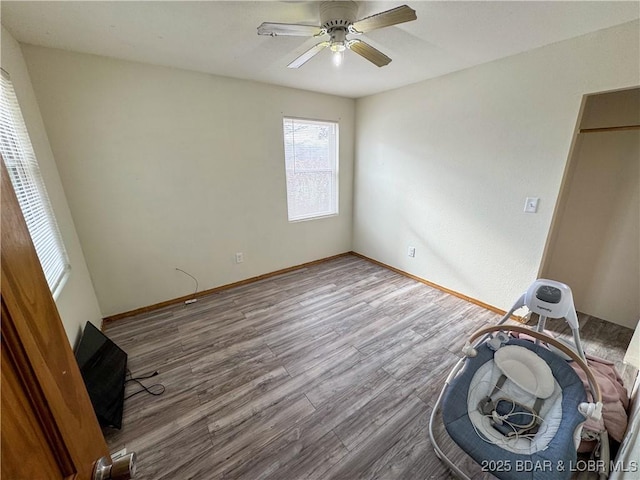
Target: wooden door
{"x": 49, "y": 429}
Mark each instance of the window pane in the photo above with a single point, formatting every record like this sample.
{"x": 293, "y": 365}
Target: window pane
{"x": 311, "y": 163}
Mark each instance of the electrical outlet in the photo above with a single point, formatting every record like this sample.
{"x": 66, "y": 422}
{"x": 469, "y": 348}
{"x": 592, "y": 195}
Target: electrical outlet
{"x": 239, "y": 257}
{"x": 411, "y": 252}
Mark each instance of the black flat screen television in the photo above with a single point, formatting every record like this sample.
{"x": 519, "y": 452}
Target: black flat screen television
{"x": 103, "y": 367}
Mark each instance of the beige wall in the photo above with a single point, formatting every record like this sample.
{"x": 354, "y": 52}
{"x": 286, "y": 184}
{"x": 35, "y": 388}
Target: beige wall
{"x": 446, "y": 164}
{"x": 167, "y": 168}
{"x": 77, "y": 301}
{"x": 596, "y": 245}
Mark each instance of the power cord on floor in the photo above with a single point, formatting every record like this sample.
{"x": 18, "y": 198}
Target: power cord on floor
{"x": 148, "y": 390}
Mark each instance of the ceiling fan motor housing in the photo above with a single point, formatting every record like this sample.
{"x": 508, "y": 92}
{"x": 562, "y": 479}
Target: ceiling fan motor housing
{"x": 337, "y": 15}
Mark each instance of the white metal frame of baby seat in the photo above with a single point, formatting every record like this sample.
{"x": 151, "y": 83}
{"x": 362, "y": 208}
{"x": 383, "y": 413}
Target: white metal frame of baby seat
{"x": 539, "y": 335}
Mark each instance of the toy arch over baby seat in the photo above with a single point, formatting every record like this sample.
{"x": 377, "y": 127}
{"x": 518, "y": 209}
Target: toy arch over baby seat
{"x": 517, "y": 404}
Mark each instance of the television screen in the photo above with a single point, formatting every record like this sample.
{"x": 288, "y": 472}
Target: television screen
{"x": 103, "y": 367}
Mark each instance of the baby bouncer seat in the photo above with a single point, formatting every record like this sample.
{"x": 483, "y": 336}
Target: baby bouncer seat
{"x": 516, "y": 405}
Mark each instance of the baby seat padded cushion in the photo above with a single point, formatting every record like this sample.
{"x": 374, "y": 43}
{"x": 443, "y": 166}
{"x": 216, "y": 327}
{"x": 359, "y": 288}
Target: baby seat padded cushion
{"x": 525, "y": 369}
{"x": 552, "y": 463}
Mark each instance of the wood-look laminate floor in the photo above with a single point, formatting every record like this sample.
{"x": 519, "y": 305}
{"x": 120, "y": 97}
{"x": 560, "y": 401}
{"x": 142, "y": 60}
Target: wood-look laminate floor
{"x": 328, "y": 372}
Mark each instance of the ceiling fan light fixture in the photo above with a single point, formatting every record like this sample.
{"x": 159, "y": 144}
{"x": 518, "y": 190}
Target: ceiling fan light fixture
{"x": 338, "y": 37}
{"x": 338, "y": 57}
{"x": 338, "y": 44}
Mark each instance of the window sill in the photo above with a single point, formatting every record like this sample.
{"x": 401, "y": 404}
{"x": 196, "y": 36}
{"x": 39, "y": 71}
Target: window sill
{"x": 63, "y": 281}
{"x": 315, "y": 217}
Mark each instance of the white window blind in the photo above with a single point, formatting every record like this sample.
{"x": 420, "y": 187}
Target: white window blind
{"x": 311, "y": 163}
{"x": 21, "y": 163}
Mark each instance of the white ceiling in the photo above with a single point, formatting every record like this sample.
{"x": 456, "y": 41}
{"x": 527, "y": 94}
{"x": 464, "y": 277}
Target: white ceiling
{"x": 220, "y": 37}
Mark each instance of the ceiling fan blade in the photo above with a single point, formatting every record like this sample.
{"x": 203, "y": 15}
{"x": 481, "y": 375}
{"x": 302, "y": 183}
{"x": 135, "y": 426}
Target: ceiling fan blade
{"x": 384, "y": 19}
{"x": 308, "y": 55}
{"x": 289, "y": 29}
{"x": 365, "y": 50}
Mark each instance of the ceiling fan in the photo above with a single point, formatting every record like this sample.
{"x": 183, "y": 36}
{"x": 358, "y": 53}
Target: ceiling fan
{"x": 338, "y": 19}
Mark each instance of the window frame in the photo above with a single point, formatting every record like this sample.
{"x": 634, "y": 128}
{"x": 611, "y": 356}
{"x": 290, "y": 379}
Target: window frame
{"x": 333, "y": 172}
{"x": 25, "y": 175}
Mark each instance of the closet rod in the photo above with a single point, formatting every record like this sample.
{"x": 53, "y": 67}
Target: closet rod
{"x": 610, "y": 129}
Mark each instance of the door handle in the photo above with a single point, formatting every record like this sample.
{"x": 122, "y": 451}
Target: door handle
{"x": 122, "y": 468}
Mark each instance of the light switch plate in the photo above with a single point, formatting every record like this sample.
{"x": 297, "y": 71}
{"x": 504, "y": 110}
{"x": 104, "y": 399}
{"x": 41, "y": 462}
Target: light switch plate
{"x": 531, "y": 204}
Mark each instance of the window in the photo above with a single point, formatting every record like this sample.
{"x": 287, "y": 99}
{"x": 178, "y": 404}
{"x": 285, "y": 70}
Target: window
{"x": 21, "y": 163}
{"x": 311, "y": 162}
